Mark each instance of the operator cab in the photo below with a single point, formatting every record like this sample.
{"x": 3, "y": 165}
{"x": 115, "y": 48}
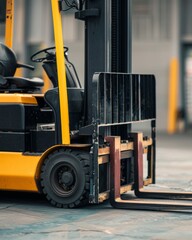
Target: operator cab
{"x": 36, "y": 122}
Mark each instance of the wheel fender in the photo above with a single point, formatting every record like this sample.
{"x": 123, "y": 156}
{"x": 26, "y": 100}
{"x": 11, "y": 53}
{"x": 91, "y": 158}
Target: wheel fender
{"x": 41, "y": 161}
{"x": 45, "y": 155}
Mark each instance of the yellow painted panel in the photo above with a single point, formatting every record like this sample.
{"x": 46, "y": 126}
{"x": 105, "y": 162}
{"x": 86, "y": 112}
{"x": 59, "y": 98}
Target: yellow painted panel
{"x": 17, "y": 172}
{"x": 47, "y": 83}
{"x": 173, "y": 96}
{"x": 63, "y": 98}
{"x": 19, "y": 72}
{"x": 18, "y": 98}
{"x": 9, "y": 23}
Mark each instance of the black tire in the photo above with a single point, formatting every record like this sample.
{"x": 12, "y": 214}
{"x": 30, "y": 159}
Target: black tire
{"x": 65, "y": 178}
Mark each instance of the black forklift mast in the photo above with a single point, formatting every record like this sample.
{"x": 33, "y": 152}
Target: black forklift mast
{"x": 114, "y": 99}
{"x": 107, "y": 41}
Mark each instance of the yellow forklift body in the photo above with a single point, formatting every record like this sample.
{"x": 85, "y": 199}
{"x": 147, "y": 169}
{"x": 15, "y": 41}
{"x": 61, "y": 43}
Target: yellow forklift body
{"x": 18, "y": 98}
{"x": 18, "y": 171}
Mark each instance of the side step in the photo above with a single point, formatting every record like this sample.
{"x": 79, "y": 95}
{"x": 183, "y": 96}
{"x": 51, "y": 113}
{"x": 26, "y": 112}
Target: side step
{"x": 127, "y": 201}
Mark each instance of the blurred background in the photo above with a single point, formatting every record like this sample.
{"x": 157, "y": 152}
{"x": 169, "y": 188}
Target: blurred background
{"x": 162, "y": 45}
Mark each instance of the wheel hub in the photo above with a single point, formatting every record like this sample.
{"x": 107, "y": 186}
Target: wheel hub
{"x": 67, "y": 178}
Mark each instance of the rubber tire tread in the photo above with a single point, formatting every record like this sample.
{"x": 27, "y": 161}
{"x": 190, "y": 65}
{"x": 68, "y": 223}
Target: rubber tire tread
{"x": 84, "y": 159}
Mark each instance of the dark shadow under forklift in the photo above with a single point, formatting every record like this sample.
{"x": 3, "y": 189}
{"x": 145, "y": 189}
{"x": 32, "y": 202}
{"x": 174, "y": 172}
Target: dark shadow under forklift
{"x": 74, "y": 145}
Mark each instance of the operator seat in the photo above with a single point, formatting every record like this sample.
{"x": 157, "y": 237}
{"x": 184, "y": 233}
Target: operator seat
{"x": 8, "y": 66}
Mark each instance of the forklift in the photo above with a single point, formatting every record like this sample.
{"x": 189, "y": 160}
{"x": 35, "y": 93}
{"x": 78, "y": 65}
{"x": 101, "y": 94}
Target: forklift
{"x": 75, "y": 144}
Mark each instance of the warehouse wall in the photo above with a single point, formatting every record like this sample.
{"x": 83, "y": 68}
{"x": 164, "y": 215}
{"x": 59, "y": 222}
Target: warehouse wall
{"x": 155, "y": 43}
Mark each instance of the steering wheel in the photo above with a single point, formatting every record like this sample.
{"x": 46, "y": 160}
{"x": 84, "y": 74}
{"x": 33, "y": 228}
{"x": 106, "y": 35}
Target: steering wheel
{"x": 47, "y": 54}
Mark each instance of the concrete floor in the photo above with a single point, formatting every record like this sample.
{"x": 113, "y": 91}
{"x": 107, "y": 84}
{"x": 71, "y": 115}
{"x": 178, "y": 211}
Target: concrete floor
{"x": 29, "y": 216}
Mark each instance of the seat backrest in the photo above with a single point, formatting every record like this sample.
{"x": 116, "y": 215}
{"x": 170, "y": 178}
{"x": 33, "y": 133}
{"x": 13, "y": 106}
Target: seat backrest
{"x": 8, "y": 61}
